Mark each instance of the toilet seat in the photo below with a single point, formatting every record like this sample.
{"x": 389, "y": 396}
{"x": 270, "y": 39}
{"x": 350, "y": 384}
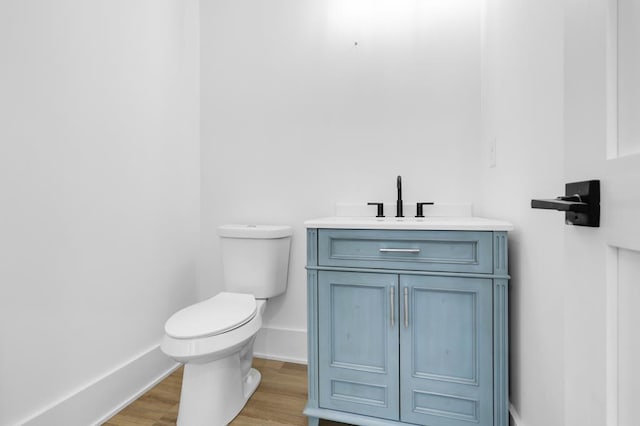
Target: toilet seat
{"x": 205, "y": 349}
{"x": 214, "y": 316}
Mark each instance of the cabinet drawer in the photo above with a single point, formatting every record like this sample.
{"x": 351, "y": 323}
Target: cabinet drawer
{"x": 446, "y": 251}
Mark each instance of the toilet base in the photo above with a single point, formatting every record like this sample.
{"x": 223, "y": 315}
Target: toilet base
{"x": 251, "y": 382}
{"x": 214, "y": 393}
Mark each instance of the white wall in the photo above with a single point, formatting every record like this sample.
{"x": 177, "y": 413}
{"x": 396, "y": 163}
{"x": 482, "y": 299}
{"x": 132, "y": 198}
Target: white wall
{"x": 99, "y": 190}
{"x": 308, "y": 103}
{"x": 523, "y": 110}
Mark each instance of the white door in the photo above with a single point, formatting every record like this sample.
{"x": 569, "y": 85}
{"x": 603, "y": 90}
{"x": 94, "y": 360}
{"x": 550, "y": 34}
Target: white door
{"x": 602, "y": 141}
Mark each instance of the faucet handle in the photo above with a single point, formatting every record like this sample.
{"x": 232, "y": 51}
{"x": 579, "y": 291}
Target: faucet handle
{"x": 380, "y": 208}
{"x": 419, "y": 208}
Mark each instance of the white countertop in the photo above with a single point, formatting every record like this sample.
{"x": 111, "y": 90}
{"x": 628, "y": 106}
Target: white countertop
{"x": 426, "y": 224}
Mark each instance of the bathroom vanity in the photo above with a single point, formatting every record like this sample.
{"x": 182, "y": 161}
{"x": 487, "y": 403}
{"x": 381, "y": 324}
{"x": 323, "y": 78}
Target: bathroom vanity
{"x": 407, "y": 321}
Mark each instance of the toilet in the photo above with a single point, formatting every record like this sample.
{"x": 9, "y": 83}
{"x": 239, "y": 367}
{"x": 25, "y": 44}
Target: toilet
{"x": 214, "y": 338}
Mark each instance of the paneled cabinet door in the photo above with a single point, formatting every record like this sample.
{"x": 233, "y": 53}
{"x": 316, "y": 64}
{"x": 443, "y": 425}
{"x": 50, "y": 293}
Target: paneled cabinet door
{"x": 358, "y": 343}
{"x": 446, "y": 350}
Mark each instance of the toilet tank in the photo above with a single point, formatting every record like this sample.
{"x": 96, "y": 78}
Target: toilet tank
{"x": 255, "y": 258}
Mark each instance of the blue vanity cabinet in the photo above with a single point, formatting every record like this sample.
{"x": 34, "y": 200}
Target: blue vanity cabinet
{"x": 407, "y": 327}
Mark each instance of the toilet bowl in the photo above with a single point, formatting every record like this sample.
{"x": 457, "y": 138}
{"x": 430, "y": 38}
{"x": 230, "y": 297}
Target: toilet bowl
{"x": 217, "y": 351}
{"x": 214, "y": 338}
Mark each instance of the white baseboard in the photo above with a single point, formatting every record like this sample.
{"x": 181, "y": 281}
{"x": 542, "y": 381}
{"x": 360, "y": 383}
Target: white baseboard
{"x": 102, "y": 399}
{"x": 281, "y": 344}
{"x": 99, "y": 401}
{"x": 514, "y": 416}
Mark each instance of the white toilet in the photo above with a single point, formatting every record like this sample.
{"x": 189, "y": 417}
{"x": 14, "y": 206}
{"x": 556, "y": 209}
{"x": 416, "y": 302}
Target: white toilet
{"x": 214, "y": 338}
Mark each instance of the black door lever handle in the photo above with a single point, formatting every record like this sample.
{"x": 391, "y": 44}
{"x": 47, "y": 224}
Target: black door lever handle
{"x": 581, "y": 204}
{"x": 563, "y": 204}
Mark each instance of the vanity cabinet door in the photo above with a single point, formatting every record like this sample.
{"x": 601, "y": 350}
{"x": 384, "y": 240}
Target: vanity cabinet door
{"x": 358, "y": 343}
{"x": 446, "y": 350}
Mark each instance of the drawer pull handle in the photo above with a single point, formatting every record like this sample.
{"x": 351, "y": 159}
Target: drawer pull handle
{"x": 399, "y": 250}
{"x": 392, "y": 304}
{"x": 406, "y": 307}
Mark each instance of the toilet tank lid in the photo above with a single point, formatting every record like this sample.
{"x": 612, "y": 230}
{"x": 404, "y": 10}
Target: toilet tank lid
{"x": 255, "y": 231}
{"x": 216, "y": 315}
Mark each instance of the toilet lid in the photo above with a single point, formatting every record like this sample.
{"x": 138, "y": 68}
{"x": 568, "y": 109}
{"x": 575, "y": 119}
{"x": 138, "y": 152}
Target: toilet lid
{"x": 213, "y": 316}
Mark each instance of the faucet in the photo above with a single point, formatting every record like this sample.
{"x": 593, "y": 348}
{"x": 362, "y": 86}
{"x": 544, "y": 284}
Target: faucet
{"x": 399, "y": 202}
{"x": 419, "y": 205}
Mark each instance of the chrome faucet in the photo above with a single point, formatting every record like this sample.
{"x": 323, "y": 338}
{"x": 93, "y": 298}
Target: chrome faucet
{"x": 399, "y": 202}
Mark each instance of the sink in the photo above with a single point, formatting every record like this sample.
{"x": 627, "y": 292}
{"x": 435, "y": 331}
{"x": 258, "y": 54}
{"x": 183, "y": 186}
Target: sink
{"x": 471, "y": 223}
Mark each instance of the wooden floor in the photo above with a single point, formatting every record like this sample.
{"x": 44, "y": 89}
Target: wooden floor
{"x": 279, "y": 400}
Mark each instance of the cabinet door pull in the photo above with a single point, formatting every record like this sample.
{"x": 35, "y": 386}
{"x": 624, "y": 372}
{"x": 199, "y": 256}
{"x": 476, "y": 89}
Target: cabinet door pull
{"x": 399, "y": 250}
{"x": 406, "y": 307}
{"x": 392, "y": 305}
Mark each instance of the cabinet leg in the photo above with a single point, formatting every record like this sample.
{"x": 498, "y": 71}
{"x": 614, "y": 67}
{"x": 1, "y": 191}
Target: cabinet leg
{"x": 314, "y": 421}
